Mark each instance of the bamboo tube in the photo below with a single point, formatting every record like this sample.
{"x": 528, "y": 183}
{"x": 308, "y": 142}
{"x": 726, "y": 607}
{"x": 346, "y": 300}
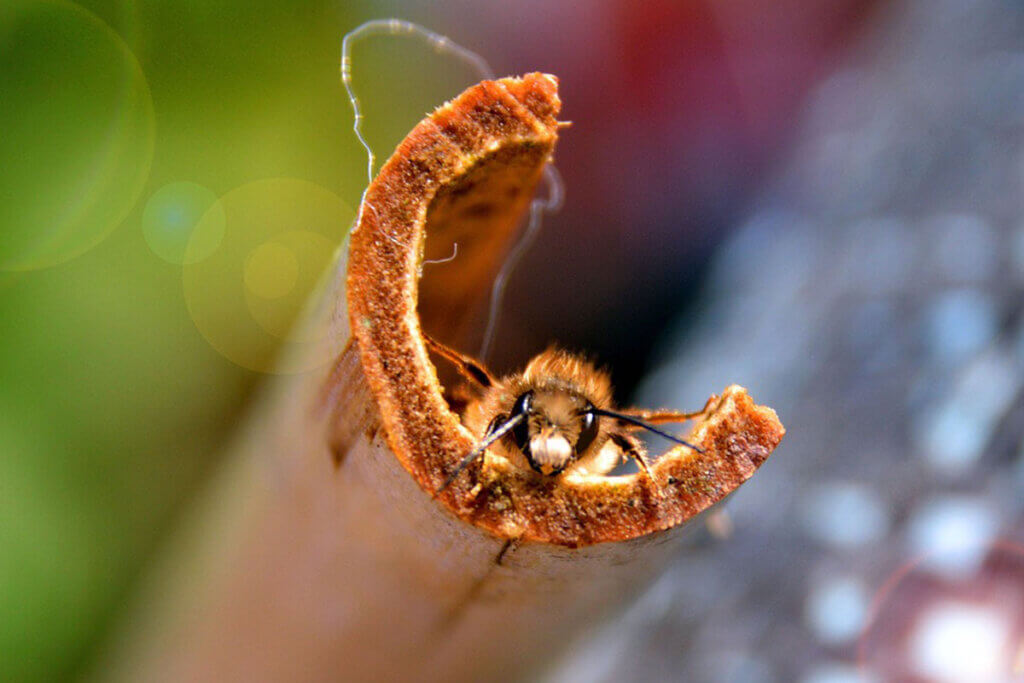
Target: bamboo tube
{"x": 331, "y": 558}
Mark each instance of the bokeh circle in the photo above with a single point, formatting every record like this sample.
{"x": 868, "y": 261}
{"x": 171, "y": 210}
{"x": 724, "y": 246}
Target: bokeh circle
{"x": 171, "y": 216}
{"x": 939, "y": 619}
{"x": 78, "y": 132}
{"x": 279, "y": 237}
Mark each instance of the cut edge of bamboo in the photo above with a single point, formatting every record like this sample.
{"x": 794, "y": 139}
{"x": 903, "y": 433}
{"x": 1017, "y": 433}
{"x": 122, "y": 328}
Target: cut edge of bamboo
{"x": 457, "y": 152}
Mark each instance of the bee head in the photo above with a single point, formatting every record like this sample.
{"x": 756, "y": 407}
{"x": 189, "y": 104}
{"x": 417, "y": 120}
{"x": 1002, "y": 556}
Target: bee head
{"x": 557, "y": 427}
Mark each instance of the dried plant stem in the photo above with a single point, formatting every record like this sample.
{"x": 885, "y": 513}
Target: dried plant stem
{"x": 323, "y": 554}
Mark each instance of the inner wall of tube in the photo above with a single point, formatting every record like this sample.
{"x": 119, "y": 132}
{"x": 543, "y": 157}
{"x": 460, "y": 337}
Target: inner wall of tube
{"x": 481, "y": 213}
{"x": 471, "y": 225}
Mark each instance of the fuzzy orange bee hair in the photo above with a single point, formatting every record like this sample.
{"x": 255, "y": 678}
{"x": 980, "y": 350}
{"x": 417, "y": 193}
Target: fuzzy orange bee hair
{"x": 555, "y": 415}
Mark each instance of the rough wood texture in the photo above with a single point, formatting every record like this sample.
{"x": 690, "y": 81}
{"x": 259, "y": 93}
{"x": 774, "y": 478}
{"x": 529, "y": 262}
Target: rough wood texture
{"x": 321, "y": 558}
{"x": 480, "y": 156}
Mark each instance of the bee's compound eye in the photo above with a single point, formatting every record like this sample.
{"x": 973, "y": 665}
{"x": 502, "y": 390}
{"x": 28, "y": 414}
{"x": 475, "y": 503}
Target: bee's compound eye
{"x": 521, "y": 432}
{"x": 588, "y": 430}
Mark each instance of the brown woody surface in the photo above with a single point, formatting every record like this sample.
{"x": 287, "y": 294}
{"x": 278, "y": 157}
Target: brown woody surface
{"x": 465, "y": 175}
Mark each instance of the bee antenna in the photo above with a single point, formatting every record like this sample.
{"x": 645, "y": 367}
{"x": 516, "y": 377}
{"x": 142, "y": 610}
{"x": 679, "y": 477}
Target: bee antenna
{"x": 646, "y": 425}
{"x": 499, "y": 432}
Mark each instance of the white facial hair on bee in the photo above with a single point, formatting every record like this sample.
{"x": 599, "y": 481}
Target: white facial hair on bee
{"x": 551, "y": 452}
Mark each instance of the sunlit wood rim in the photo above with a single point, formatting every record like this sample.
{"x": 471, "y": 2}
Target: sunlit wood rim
{"x": 506, "y": 123}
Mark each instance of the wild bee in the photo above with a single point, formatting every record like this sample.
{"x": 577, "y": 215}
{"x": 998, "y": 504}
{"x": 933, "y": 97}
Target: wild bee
{"x": 555, "y": 415}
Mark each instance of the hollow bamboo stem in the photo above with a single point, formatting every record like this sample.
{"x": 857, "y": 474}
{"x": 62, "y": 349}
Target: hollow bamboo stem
{"x": 324, "y": 553}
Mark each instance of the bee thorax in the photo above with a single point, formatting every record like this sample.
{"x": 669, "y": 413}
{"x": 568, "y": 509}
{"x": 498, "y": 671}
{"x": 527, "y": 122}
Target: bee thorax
{"x": 550, "y": 454}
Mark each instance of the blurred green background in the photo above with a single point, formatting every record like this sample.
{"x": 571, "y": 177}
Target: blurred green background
{"x": 126, "y": 351}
